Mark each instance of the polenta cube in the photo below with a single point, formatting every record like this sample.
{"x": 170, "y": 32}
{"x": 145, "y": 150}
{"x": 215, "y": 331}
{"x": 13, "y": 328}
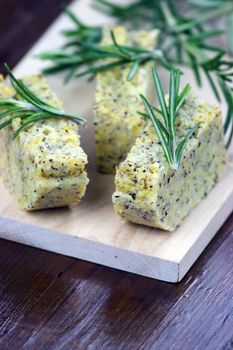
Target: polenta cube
{"x": 117, "y": 123}
{"x": 150, "y": 192}
{"x": 44, "y": 167}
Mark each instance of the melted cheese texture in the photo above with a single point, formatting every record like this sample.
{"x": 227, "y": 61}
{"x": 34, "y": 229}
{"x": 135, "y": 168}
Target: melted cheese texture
{"x": 149, "y": 192}
{"x": 45, "y": 166}
{"x": 117, "y": 123}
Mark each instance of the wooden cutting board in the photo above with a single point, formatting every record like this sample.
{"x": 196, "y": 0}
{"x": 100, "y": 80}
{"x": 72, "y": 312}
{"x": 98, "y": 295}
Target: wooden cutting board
{"x": 92, "y": 230}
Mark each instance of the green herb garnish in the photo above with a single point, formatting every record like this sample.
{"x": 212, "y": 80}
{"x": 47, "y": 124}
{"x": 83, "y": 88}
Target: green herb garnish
{"x": 136, "y": 12}
{"x": 29, "y": 107}
{"x": 185, "y": 30}
{"x": 183, "y": 39}
{"x": 81, "y": 31}
{"x": 94, "y": 57}
{"x": 165, "y": 125}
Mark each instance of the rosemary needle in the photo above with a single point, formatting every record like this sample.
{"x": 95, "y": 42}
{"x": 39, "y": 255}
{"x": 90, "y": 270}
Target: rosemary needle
{"x": 166, "y": 129}
{"x": 29, "y": 108}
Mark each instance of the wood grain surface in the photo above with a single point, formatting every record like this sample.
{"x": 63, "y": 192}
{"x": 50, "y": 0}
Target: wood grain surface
{"x": 48, "y": 301}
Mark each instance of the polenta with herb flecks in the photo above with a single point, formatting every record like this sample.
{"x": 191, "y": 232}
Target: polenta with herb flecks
{"x": 117, "y": 123}
{"x": 150, "y": 192}
{"x": 44, "y": 167}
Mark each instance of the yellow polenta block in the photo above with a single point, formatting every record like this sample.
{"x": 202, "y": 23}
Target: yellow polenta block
{"x": 44, "y": 167}
{"x": 149, "y": 192}
{"x": 117, "y": 123}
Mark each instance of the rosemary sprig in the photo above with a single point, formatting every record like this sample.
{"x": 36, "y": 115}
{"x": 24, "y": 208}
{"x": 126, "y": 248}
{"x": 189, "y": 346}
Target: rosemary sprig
{"x": 183, "y": 40}
{"x": 152, "y": 12}
{"x": 29, "y": 108}
{"x": 218, "y": 5}
{"x": 223, "y": 70}
{"x": 65, "y": 58}
{"x": 96, "y": 58}
{"x": 165, "y": 125}
{"x": 80, "y": 32}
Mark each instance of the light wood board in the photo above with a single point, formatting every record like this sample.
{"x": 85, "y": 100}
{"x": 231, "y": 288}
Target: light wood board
{"x": 92, "y": 231}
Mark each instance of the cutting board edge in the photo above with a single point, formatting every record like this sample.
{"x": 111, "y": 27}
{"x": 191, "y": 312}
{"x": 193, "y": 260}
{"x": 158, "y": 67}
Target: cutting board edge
{"x": 208, "y": 234}
{"x": 92, "y": 251}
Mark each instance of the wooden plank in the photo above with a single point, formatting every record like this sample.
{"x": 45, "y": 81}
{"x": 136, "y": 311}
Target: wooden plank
{"x": 50, "y": 301}
{"x": 92, "y": 230}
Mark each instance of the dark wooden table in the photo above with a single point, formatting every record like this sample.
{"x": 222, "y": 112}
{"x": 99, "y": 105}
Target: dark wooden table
{"x": 48, "y": 301}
